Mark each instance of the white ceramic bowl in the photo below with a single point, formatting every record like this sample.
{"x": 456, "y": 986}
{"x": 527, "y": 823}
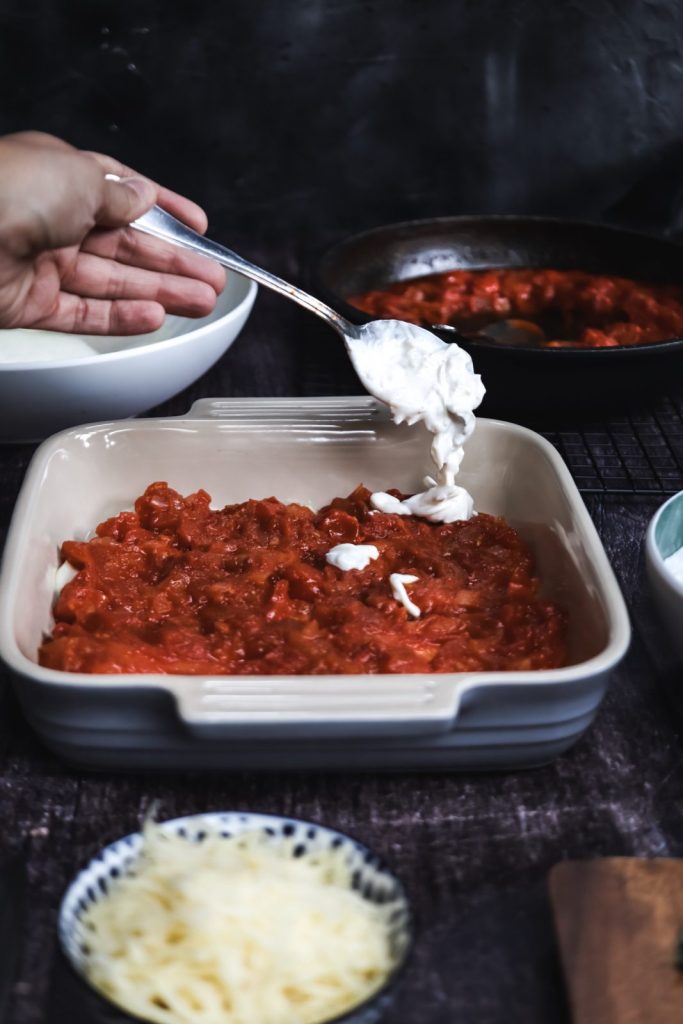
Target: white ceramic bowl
{"x": 125, "y": 376}
{"x": 664, "y": 536}
{"x": 371, "y": 878}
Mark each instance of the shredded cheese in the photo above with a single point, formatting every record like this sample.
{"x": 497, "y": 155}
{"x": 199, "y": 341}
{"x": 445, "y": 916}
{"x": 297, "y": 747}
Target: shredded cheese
{"x": 236, "y": 931}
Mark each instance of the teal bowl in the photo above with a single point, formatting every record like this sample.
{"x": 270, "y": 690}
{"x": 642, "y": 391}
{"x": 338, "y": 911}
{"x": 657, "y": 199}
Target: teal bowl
{"x": 664, "y": 537}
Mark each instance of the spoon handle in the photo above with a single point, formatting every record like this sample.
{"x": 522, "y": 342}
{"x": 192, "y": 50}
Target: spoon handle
{"x": 162, "y": 225}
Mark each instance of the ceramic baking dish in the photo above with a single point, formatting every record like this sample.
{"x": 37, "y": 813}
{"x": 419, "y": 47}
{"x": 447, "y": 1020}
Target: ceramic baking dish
{"x": 305, "y": 450}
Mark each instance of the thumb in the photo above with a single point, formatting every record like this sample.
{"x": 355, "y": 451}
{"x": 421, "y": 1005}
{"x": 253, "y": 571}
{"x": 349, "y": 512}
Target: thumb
{"x": 123, "y": 200}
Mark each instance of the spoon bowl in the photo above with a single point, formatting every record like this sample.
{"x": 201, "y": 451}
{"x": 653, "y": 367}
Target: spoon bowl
{"x": 373, "y": 334}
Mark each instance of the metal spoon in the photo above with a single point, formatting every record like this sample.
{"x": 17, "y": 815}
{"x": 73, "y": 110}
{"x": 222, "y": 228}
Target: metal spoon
{"x": 163, "y": 225}
{"x": 510, "y": 333}
{"x": 160, "y": 224}
{"x": 373, "y": 347}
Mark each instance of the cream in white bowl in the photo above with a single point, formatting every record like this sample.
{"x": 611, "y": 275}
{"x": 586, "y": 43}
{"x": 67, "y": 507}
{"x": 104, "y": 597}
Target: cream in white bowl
{"x": 119, "y": 377}
{"x": 41, "y": 347}
{"x": 674, "y": 564}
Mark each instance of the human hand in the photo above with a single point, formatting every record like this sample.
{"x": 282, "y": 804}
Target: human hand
{"x": 69, "y": 261}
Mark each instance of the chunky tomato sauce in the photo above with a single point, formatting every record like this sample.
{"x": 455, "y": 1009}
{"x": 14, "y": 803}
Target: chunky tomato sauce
{"x": 573, "y": 308}
{"x": 178, "y": 587}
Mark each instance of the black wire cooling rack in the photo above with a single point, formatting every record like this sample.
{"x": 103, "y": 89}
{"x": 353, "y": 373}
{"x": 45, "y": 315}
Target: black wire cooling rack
{"x": 630, "y": 454}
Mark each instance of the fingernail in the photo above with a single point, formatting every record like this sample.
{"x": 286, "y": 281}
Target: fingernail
{"x": 143, "y": 189}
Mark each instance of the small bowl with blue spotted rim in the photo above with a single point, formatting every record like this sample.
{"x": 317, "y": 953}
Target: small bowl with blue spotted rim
{"x": 370, "y": 877}
{"x": 664, "y": 537}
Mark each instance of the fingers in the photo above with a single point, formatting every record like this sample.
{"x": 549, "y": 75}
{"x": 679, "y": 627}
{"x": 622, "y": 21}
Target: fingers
{"x": 39, "y": 140}
{"x": 96, "y": 278}
{"x": 78, "y": 315}
{"x": 182, "y": 208}
{"x": 137, "y": 250}
{"x": 124, "y": 201}
{"x": 49, "y": 194}
{"x": 121, "y": 201}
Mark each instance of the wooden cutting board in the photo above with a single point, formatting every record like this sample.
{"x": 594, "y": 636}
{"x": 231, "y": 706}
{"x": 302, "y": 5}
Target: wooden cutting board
{"x": 618, "y": 921}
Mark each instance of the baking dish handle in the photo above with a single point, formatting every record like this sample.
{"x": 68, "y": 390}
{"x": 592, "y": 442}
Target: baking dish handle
{"x": 322, "y": 411}
{"x": 318, "y": 707}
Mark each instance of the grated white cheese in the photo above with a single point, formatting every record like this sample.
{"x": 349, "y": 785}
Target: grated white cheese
{"x": 236, "y": 932}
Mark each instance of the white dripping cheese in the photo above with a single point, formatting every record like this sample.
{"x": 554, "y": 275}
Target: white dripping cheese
{"x": 422, "y": 379}
{"x": 236, "y": 931}
{"x": 440, "y": 503}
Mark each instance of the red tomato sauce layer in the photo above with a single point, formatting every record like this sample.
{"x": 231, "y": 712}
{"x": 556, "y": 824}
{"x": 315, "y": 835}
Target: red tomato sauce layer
{"x": 575, "y": 309}
{"x": 178, "y": 587}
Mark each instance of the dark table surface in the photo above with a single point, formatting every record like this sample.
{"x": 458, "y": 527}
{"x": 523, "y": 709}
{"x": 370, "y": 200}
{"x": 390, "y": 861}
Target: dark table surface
{"x": 474, "y": 850}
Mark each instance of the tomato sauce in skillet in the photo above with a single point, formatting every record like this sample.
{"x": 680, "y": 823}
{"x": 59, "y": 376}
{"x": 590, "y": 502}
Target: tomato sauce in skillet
{"x": 574, "y": 309}
{"x": 178, "y": 587}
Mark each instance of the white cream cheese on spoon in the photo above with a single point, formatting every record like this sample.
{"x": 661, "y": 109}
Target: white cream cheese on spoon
{"x": 419, "y": 376}
{"x": 422, "y": 379}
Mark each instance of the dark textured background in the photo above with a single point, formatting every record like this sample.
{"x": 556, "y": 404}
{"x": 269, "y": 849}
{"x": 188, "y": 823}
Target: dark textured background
{"x": 295, "y": 122}
{"x": 308, "y": 118}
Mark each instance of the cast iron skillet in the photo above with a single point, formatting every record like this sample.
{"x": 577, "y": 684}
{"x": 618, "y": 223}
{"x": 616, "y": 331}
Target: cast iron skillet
{"x": 528, "y": 380}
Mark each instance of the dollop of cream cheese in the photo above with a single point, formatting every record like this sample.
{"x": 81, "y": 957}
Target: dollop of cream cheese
{"x": 397, "y": 581}
{"x": 423, "y": 379}
{"x": 674, "y": 564}
{"x": 440, "y": 503}
{"x": 351, "y": 556}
